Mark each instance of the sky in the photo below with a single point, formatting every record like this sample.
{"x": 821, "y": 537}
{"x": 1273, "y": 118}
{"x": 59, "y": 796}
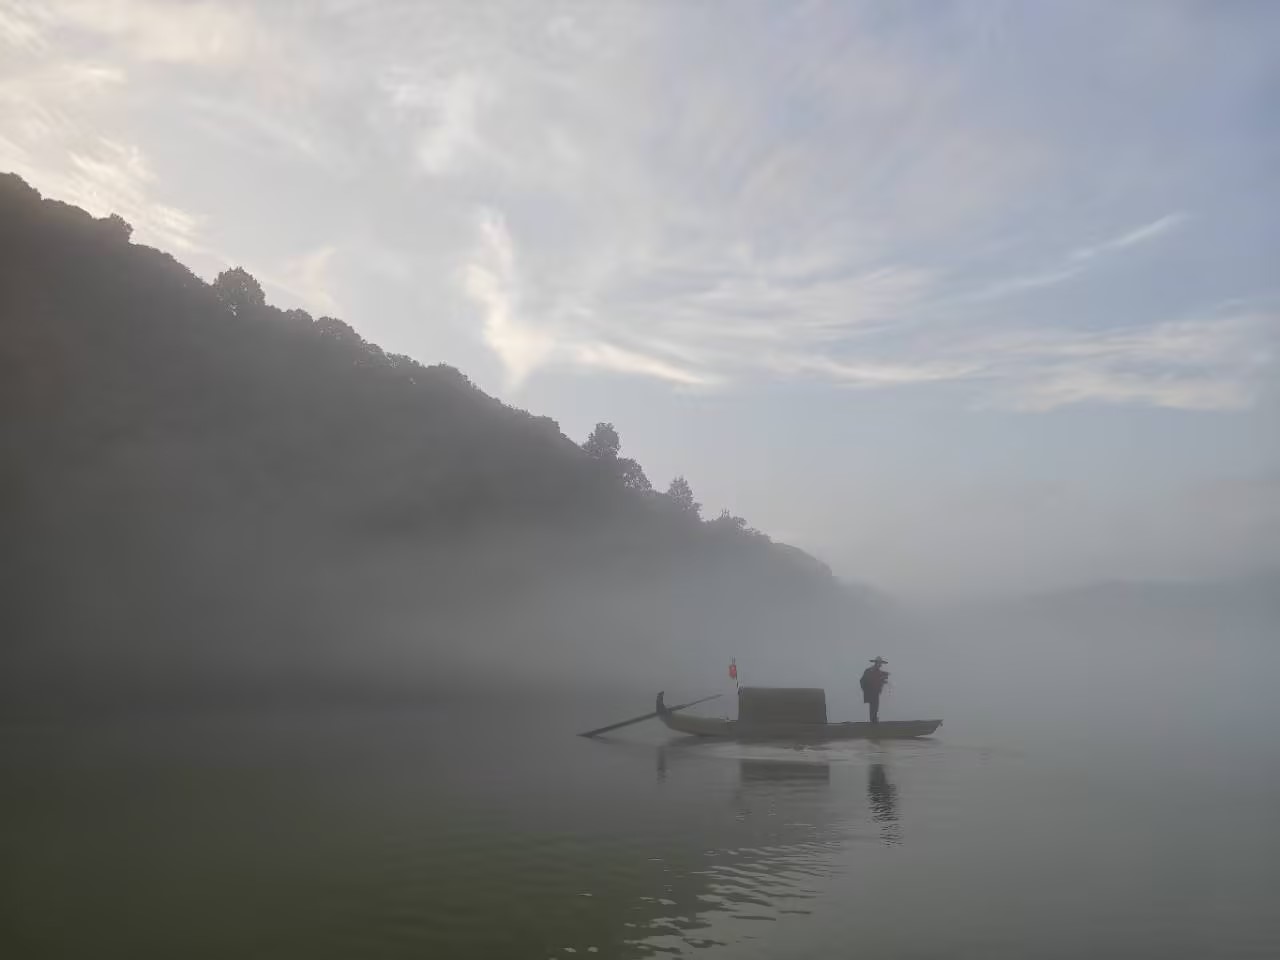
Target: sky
{"x": 964, "y": 298}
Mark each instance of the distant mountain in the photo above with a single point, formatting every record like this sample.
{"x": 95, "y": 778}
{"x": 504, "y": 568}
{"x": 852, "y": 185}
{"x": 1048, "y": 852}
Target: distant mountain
{"x": 206, "y": 495}
{"x": 1263, "y": 587}
{"x": 1200, "y": 611}
{"x": 1112, "y": 618}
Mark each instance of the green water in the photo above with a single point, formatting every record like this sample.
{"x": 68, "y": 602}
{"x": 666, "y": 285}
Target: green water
{"x": 457, "y": 832}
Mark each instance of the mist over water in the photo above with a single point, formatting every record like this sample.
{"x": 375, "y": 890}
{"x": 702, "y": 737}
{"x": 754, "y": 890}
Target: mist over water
{"x": 1114, "y": 795}
{"x": 298, "y": 631}
{"x": 482, "y": 826}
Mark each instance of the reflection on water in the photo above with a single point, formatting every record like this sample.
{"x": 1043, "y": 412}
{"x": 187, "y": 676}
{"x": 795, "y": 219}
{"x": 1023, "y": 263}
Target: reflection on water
{"x": 439, "y": 835}
{"x": 407, "y": 836}
{"x": 791, "y": 821}
{"x": 793, "y": 824}
{"x": 883, "y": 797}
{"x": 763, "y": 848}
{"x": 783, "y": 770}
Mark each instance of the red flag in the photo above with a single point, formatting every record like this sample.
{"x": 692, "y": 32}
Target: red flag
{"x": 733, "y": 669}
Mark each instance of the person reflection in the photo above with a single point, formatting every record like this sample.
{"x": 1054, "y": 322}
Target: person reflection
{"x": 883, "y": 797}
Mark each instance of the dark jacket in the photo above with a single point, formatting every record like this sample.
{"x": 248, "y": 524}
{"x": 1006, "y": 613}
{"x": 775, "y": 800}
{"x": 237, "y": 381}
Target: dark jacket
{"x": 872, "y": 683}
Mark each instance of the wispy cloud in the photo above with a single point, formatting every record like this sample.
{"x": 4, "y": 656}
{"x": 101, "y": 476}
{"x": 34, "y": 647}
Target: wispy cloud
{"x": 525, "y": 341}
{"x": 308, "y": 278}
{"x": 1078, "y": 260}
{"x": 492, "y": 279}
{"x": 445, "y": 111}
{"x": 53, "y": 107}
{"x": 198, "y": 32}
{"x": 1215, "y": 363}
{"x": 1142, "y": 234}
{"x": 873, "y": 373}
{"x": 1010, "y": 286}
{"x": 605, "y": 356}
{"x": 23, "y": 25}
{"x": 110, "y": 177}
{"x": 663, "y": 191}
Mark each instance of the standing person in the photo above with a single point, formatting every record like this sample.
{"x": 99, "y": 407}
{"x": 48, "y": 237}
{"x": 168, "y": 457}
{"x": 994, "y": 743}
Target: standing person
{"x": 872, "y": 683}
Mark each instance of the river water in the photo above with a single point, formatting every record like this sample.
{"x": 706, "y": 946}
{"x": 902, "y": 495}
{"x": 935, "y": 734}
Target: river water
{"x": 454, "y": 831}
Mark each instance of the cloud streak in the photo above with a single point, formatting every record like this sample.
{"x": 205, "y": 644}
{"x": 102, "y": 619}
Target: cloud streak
{"x": 1142, "y": 234}
{"x": 1075, "y": 263}
{"x": 198, "y": 33}
{"x": 657, "y": 191}
{"x": 1215, "y": 363}
{"x": 492, "y": 281}
{"x": 52, "y": 109}
{"x": 491, "y": 278}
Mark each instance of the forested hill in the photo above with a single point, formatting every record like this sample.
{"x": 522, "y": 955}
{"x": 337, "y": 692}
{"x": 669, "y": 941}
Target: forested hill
{"x": 201, "y": 489}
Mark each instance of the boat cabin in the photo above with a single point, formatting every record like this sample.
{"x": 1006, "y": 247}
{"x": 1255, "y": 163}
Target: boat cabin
{"x": 782, "y": 705}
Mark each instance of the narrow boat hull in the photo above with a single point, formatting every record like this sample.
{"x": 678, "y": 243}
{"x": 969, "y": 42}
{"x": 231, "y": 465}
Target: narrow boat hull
{"x": 794, "y": 732}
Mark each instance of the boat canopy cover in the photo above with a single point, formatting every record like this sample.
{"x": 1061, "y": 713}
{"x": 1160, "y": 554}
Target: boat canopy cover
{"x": 782, "y": 705}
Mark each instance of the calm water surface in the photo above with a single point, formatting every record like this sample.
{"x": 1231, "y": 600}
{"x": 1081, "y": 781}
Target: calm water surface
{"x": 455, "y": 832}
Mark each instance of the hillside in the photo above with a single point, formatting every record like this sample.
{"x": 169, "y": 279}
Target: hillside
{"x": 206, "y": 494}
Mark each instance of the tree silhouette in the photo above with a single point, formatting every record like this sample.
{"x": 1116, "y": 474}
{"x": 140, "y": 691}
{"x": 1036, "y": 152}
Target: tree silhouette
{"x": 632, "y": 474}
{"x": 239, "y": 290}
{"x": 681, "y": 495}
{"x": 260, "y": 456}
{"x": 728, "y": 522}
{"x": 604, "y": 443}
{"x": 118, "y": 227}
{"x": 735, "y": 527}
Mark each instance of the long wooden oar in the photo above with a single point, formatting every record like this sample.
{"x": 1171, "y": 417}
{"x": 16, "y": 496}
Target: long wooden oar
{"x": 647, "y": 716}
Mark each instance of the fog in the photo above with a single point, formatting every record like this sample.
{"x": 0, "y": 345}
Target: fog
{"x": 189, "y": 620}
{"x": 130, "y": 613}
{"x": 1119, "y": 668}
{"x": 391, "y": 391}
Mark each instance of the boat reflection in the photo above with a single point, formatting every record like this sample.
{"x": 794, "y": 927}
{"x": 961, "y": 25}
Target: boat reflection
{"x": 882, "y": 795}
{"x": 775, "y": 771}
{"x": 738, "y": 840}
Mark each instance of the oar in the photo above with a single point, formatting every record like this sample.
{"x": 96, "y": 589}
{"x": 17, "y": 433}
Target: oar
{"x": 647, "y": 716}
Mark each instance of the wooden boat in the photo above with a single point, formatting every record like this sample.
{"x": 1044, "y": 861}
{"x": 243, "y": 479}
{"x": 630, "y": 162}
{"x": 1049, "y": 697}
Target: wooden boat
{"x": 754, "y": 726}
